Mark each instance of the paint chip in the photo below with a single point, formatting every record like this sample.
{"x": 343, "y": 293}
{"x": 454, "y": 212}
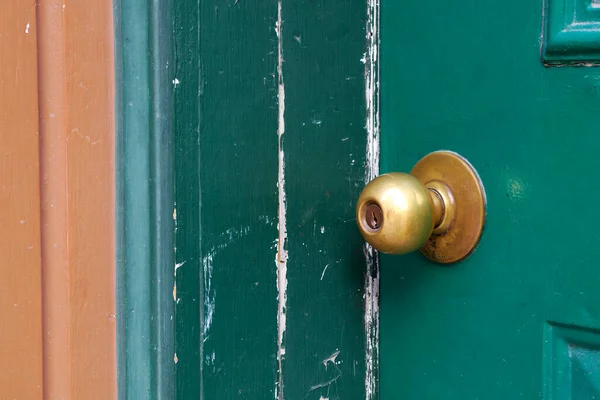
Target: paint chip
{"x": 27, "y": 28}
{"x": 331, "y": 359}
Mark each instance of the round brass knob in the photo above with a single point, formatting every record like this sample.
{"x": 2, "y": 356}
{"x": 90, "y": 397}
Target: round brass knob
{"x": 395, "y": 213}
{"x": 439, "y": 208}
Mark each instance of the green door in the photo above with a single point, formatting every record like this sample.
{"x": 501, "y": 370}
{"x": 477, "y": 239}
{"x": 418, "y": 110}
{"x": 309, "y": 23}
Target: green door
{"x": 511, "y": 86}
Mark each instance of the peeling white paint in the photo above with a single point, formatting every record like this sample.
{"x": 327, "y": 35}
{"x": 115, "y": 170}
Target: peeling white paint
{"x": 331, "y": 359}
{"x": 371, "y": 61}
{"x": 282, "y": 255}
{"x": 209, "y": 295}
{"x": 175, "y": 82}
{"x": 266, "y": 220}
{"x": 179, "y": 265}
{"x": 210, "y": 360}
{"x": 371, "y": 323}
{"x": 327, "y": 384}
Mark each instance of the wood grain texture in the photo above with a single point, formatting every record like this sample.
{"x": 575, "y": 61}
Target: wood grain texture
{"x": 188, "y": 296}
{"x": 54, "y": 205}
{"x": 20, "y": 254}
{"x": 270, "y": 155}
{"x": 325, "y": 147}
{"x": 239, "y": 199}
{"x": 227, "y": 199}
{"x": 89, "y": 69}
{"x": 57, "y": 202}
{"x": 76, "y": 86}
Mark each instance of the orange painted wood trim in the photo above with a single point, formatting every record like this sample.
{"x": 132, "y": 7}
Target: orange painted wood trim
{"x": 53, "y": 153}
{"x": 90, "y": 89}
{"x": 20, "y": 257}
{"x": 77, "y": 124}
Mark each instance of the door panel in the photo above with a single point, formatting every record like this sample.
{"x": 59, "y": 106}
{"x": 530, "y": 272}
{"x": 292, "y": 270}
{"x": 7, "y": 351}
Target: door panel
{"x": 520, "y": 318}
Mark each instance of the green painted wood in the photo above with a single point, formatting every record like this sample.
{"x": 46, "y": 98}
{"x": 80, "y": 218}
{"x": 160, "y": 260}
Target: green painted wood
{"x": 145, "y": 328}
{"x": 227, "y": 200}
{"x": 271, "y": 138}
{"x": 239, "y": 199}
{"x": 470, "y": 79}
{"x": 325, "y": 145}
{"x": 188, "y": 295}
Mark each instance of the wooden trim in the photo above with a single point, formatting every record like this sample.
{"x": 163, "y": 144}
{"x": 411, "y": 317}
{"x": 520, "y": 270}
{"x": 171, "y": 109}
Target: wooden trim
{"x": 20, "y": 274}
{"x": 53, "y": 154}
{"x": 90, "y": 159}
{"x": 145, "y": 228}
{"x": 76, "y": 86}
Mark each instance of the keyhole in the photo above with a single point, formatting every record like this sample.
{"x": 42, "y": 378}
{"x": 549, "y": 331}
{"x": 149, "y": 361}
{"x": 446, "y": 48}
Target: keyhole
{"x": 374, "y": 216}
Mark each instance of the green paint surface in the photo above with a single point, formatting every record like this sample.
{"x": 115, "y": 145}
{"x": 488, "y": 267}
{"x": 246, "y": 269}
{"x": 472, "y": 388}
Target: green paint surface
{"x": 228, "y": 191}
{"x": 325, "y": 147}
{"x": 470, "y": 79}
{"x": 144, "y": 154}
{"x": 226, "y": 104}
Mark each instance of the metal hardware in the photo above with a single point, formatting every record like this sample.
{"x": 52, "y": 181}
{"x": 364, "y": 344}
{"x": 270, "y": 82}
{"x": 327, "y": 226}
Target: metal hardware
{"x": 438, "y": 208}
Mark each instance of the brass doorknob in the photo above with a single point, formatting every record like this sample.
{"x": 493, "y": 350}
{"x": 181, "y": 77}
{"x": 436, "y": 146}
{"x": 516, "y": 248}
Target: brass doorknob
{"x": 438, "y": 208}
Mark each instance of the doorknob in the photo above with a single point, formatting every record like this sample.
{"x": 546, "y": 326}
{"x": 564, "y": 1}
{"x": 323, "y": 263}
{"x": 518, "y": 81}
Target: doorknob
{"x": 438, "y": 208}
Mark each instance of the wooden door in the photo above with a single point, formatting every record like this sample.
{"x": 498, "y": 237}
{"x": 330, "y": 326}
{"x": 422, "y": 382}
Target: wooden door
{"x": 512, "y": 86}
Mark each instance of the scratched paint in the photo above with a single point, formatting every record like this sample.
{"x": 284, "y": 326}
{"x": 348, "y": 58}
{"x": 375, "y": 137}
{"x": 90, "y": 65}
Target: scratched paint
{"x": 282, "y": 255}
{"x": 371, "y": 61}
{"x": 226, "y": 239}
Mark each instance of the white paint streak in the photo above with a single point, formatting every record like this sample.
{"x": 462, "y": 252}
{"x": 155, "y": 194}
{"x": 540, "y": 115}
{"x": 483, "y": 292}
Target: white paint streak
{"x": 324, "y": 269}
{"x": 209, "y": 294}
{"x": 371, "y": 62}
{"x": 226, "y": 238}
{"x": 179, "y": 265}
{"x": 27, "y": 28}
{"x": 331, "y": 358}
{"x": 282, "y": 255}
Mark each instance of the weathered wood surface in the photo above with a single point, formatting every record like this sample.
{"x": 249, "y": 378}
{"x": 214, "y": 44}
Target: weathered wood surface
{"x": 275, "y": 134}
